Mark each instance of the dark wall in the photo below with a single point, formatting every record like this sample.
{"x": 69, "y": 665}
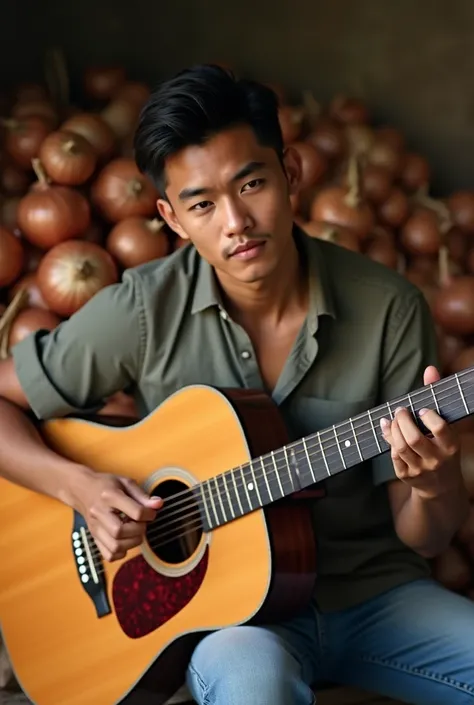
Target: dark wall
{"x": 412, "y": 60}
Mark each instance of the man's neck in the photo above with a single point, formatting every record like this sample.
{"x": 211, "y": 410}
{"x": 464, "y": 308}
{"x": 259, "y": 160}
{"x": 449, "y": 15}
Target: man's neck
{"x": 270, "y": 300}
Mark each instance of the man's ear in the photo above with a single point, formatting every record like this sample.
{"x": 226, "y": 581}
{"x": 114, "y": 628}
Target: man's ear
{"x": 168, "y": 215}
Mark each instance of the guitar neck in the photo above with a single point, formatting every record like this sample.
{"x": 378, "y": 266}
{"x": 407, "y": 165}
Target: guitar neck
{"x": 318, "y": 456}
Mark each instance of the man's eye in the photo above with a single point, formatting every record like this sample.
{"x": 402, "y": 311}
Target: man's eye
{"x": 201, "y": 205}
{"x": 253, "y": 184}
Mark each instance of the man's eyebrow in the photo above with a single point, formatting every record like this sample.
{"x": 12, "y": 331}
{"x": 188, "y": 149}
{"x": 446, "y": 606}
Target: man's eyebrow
{"x": 247, "y": 170}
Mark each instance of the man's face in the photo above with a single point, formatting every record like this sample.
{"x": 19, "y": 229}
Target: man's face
{"x": 230, "y": 198}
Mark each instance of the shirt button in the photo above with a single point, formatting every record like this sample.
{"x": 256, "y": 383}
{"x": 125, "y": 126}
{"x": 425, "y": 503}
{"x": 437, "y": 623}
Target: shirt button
{"x": 224, "y": 314}
{"x": 245, "y": 354}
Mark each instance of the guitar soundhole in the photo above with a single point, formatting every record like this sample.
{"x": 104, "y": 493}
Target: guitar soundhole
{"x": 177, "y": 530}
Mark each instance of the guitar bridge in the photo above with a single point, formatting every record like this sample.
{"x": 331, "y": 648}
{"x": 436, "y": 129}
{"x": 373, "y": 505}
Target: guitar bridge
{"x": 89, "y": 566}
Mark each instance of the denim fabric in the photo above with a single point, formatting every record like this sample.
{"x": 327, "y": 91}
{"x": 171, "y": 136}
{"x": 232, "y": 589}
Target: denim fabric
{"x": 414, "y": 643}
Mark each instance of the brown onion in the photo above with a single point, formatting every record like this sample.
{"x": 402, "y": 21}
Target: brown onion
{"x": 49, "y": 214}
{"x": 348, "y": 110}
{"x": 463, "y": 360}
{"x": 69, "y": 159}
{"x": 30, "y": 320}
{"x": 382, "y": 153}
{"x": 376, "y": 183}
{"x": 415, "y": 173}
{"x": 121, "y": 191}
{"x": 381, "y": 248}
{"x": 101, "y": 82}
{"x": 9, "y": 212}
{"x": 392, "y": 136}
{"x": 461, "y": 206}
{"x": 313, "y": 164}
{"x": 328, "y": 138}
{"x": 359, "y": 138}
{"x": 132, "y": 91}
{"x": 14, "y": 181}
{"x": 95, "y": 130}
{"x": 449, "y": 347}
{"x": 35, "y": 108}
{"x": 121, "y": 116}
{"x": 24, "y": 138}
{"x": 11, "y": 257}
{"x": 29, "y": 282}
{"x": 291, "y": 122}
{"x": 338, "y": 205}
{"x": 134, "y": 241}
{"x": 71, "y": 273}
{"x": 421, "y": 234}
{"x": 454, "y": 306}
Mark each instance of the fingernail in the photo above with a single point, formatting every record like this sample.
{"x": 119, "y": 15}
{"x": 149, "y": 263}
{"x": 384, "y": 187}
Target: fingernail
{"x": 399, "y": 408}
{"x": 384, "y": 424}
{"x": 422, "y": 412}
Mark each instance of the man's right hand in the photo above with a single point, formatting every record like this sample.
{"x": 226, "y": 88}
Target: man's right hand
{"x": 117, "y": 512}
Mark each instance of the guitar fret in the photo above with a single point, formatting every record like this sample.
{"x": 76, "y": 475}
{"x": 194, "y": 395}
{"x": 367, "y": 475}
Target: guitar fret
{"x": 245, "y": 487}
{"x": 204, "y": 502}
{"x": 277, "y": 473}
{"x": 266, "y": 479}
{"x": 219, "y": 497}
{"x": 309, "y": 460}
{"x": 231, "y": 506}
{"x": 434, "y": 398}
{"x": 390, "y": 411}
{"x": 237, "y": 493}
{"x": 355, "y": 439}
{"x": 289, "y": 468}
{"x": 212, "y": 502}
{"x": 339, "y": 448}
{"x": 462, "y": 394}
{"x": 255, "y": 483}
{"x": 410, "y": 401}
{"x": 324, "y": 455}
{"x": 374, "y": 431}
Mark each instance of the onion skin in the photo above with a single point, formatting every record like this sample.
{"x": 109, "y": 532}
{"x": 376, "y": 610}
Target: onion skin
{"x": 454, "y": 306}
{"x": 29, "y": 320}
{"x": 30, "y": 283}
{"x": 95, "y": 130}
{"x": 121, "y": 191}
{"x": 69, "y": 159}
{"x": 11, "y": 257}
{"x": 51, "y": 214}
{"x": 24, "y": 138}
{"x": 71, "y": 273}
{"x": 134, "y": 241}
{"x": 421, "y": 234}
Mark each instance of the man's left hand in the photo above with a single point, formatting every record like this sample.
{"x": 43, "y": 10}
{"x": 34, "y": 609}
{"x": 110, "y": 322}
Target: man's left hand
{"x": 431, "y": 466}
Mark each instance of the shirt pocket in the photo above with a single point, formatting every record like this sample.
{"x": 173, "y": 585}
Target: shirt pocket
{"x": 312, "y": 414}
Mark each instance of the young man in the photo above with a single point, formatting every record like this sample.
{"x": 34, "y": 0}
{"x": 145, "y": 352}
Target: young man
{"x": 254, "y": 303}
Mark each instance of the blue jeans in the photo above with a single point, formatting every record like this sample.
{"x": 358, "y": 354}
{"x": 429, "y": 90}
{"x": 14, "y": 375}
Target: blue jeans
{"x": 414, "y": 643}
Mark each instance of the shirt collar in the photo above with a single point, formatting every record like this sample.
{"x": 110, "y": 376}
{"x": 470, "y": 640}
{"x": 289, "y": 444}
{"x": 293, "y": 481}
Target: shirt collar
{"x": 206, "y": 292}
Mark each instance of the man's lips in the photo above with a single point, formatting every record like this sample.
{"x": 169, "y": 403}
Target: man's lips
{"x": 249, "y": 245}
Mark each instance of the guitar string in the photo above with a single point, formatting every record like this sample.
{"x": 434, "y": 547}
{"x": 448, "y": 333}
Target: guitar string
{"x": 163, "y": 517}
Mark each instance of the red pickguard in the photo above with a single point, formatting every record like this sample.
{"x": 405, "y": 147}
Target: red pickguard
{"x": 144, "y": 600}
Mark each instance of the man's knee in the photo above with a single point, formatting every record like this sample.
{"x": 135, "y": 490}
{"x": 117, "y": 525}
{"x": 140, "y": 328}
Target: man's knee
{"x": 246, "y": 665}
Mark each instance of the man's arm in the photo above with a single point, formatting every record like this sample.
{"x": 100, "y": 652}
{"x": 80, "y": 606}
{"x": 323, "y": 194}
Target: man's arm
{"x": 95, "y": 353}
{"x": 425, "y": 487}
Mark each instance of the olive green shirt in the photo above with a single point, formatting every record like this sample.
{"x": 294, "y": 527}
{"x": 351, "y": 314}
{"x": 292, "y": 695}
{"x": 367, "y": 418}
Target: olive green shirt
{"x": 367, "y": 338}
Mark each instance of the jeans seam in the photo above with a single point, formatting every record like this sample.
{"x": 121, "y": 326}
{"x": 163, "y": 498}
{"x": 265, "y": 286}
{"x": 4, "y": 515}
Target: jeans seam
{"x": 202, "y": 684}
{"x": 420, "y": 672}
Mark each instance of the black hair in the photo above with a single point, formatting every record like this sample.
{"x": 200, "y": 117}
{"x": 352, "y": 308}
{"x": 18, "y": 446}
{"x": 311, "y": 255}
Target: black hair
{"x": 195, "y": 105}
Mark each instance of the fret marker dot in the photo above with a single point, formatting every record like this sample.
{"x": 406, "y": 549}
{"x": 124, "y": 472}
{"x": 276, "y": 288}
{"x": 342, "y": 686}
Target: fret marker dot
{"x": 250, "y": 486}
{"x": 347, "y": 444}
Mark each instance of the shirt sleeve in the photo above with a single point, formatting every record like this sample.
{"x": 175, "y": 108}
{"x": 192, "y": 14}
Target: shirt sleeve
{"x": 95, "y": 353}
{"x": 411, "y": 346}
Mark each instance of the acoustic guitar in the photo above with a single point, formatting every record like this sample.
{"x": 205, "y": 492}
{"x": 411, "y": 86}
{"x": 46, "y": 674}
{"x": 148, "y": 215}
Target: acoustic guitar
{"x": 232, "y": 544}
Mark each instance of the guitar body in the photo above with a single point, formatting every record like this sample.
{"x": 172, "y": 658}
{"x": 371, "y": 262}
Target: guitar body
{"x": 125, "y": 635}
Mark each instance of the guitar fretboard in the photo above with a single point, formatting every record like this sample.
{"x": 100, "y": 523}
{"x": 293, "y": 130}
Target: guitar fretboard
{"x": 318, "y": 456}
